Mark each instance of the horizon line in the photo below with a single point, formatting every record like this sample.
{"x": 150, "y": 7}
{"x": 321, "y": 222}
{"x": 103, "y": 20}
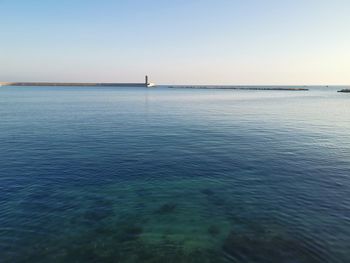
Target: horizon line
{"x": 162, "y": 84}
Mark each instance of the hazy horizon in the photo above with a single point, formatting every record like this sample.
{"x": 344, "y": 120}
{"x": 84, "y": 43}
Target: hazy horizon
{"x": 176, "y": 42}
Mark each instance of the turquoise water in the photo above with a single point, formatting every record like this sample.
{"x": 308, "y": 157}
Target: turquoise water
{"x": 174, "y": 175}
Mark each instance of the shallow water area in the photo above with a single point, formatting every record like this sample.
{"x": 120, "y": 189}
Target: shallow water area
{"x": 102, "y": 174}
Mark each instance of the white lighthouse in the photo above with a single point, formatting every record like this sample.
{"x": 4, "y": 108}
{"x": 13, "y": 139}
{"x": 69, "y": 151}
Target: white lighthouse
{"x": 147, "y": 83}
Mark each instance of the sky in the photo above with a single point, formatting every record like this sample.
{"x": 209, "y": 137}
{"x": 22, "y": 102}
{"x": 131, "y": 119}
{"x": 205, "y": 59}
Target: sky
{"x": 238, "y": 42}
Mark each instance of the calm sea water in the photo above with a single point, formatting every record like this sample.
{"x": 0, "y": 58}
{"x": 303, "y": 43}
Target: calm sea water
{"x": 174, "y": 175}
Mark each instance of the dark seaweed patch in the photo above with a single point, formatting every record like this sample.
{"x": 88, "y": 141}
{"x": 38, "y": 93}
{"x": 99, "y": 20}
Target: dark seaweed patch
{"x": 130, "y": 233}
{"x": 270, "y": 249}
{"x": 213, "y": 230}
{"x": 113, "y": 244}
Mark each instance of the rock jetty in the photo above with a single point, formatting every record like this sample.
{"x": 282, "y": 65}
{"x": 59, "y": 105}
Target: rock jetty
{"x": 238, "y": 88}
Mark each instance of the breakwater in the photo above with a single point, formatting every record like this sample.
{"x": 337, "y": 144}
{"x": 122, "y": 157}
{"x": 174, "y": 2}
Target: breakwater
{"x": 345, "y": 90}
{"x": 237, "y": 88}
{"x": 82, "y": 84}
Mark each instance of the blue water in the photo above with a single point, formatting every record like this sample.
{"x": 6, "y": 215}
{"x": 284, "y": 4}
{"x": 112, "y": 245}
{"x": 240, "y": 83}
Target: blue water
{"x": 174, "y": 175}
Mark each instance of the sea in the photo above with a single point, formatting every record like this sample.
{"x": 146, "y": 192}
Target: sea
{"x": 103, "y": 174}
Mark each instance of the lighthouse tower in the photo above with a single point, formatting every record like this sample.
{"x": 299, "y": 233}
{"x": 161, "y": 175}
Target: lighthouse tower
{"x": 146, "y": 81}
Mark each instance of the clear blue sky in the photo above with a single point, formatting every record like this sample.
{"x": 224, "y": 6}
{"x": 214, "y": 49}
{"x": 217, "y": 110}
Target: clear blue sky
{"x": 176, "y": 41}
